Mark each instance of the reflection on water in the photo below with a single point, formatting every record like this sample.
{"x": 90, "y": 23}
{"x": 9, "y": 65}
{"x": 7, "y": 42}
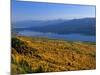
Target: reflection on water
{"x": 73, "y": 37}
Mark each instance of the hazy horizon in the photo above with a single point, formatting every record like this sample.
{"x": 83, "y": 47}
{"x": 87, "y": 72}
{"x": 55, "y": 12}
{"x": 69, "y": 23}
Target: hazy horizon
{"x": 51, "y": 19}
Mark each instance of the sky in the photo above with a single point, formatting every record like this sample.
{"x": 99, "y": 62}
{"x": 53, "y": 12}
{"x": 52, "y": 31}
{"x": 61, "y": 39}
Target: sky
{"x": 49, "y": 11}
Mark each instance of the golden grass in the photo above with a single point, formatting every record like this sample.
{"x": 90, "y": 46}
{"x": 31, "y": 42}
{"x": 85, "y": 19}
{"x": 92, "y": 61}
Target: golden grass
{"x": 37, "y": 55}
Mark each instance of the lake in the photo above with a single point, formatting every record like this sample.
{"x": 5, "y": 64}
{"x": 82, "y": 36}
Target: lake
{"x": 72, "y": 37}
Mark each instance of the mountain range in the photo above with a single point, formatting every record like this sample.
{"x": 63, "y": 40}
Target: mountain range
{"x": 86, "y": 26}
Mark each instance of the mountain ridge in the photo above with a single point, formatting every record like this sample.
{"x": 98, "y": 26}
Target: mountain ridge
{"x": 85, "y": 26}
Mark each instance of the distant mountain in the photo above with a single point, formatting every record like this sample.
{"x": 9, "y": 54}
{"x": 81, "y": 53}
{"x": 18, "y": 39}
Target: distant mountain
{"x": 86, "y": 26}
{"x": 35, "y": 23}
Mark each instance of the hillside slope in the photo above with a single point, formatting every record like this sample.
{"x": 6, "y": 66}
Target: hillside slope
{"x": 36, "y": 55}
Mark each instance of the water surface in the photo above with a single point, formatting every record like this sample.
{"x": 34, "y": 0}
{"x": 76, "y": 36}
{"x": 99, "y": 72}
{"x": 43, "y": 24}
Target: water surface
{"x": 72, "y": 37}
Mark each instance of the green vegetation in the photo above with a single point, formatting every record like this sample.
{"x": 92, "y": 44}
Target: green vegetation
{"x": 37, "y": 55}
